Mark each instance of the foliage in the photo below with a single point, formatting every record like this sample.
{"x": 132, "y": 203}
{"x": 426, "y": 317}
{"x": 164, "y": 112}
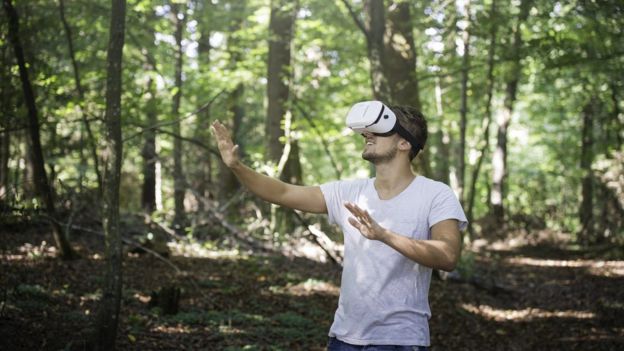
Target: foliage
{"x": 572, "y": 53}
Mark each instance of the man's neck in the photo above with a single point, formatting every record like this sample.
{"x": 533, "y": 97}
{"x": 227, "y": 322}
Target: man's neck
{"x": 392, "y": 178}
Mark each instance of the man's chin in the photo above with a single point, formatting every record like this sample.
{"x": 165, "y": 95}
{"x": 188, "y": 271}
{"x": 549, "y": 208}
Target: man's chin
{"x": 370, "y": 158}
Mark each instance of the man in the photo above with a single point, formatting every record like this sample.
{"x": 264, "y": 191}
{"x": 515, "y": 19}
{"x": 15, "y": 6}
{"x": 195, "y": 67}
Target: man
{"x": 397, "y": 227}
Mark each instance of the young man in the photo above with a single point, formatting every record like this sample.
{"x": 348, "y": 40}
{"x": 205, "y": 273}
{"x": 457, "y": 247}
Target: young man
{"x": 397, "y": 227}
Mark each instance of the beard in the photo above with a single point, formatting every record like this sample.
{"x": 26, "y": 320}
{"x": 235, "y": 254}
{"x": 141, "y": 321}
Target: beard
{"x": 377, "y": 158}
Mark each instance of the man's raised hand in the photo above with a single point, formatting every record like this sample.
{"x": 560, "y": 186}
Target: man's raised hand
{"x": 229, "y": 151}
{"x": 363, "y": 222}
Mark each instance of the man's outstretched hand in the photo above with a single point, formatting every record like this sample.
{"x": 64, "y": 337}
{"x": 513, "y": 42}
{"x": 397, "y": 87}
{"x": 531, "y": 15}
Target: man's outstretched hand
{"x": 363, "y": 222}
{"x": 229, "y": 151}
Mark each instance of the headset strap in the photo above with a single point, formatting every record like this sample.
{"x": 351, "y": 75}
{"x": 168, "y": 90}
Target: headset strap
{"x": 398, "y": 129}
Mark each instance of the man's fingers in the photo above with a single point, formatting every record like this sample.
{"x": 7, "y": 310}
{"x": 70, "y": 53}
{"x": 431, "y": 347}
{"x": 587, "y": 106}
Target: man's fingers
{"x": 220, "y": 130}
{"x": 355, "y": 210}
{"x": 354, "y": 223}
{"x": 362, "y": 216}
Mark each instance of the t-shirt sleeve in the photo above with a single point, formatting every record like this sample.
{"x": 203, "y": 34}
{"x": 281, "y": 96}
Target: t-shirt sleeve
{"x": 333, "y": 199}
{"x": 446, "y": 206}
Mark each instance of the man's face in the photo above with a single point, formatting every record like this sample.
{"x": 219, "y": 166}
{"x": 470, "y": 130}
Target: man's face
{"x": 379, "y": 149}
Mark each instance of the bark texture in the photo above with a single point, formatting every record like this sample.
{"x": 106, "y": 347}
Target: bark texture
{"x": 107, "y": 319}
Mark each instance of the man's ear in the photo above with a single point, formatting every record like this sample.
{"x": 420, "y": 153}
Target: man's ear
{"x": 404, "y": 145}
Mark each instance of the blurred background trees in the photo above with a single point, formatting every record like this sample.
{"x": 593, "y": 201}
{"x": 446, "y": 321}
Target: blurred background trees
{"x": 523, "y": 99}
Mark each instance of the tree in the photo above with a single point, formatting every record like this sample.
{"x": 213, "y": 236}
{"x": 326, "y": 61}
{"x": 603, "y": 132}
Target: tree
{"x": 148, "y": 153}
{"x": 463, "y": 110}
{"x": 487, "y": 118}
{"x": 43, "y": 188}
{"x": 81, "y": 95}
{"x": 392, "y": 55}
{"x": 179, "y": 18}
{"x": 5, "y": 115}
{"x": 108, "y": 314}
{"x": 586, "y": 208}
{"x": 228, "y": 183}
{"x": 285, "y": 156}
{"x": 281, "y": 31}
{"x": 499, "y": 159}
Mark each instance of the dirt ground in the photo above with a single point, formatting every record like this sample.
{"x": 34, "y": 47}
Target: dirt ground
{"x": 526, "y": 298}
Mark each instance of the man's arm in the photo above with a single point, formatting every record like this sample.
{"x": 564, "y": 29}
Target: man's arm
{"x": 441, "y": 252}
{"x": 304, "y": 198}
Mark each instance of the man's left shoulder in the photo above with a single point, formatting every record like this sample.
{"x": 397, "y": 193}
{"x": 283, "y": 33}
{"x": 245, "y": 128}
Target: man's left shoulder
{"x": 434, "y": 186}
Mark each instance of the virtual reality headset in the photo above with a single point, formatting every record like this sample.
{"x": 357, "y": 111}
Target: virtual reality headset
{"x": 376, "y": 118}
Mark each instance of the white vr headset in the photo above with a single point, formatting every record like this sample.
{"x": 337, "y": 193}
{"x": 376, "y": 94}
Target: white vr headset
{"x": 376, "y": 118}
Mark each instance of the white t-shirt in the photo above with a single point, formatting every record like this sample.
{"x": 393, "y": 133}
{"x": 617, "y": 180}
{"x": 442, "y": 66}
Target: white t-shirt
{"x": 384, "y": 295}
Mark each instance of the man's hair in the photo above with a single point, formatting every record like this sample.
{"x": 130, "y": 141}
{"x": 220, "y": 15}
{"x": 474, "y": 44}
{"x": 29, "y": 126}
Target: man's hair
{"x": 414, "y": 122}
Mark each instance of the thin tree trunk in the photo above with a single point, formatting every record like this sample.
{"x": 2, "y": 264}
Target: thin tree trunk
{"x": 463, "y": 111}
{"x": 586, "y": 208}
{"x": 204, "y": 173}
{"x": 178, "y": 174}
{"x": 29, "y": 181}
{"x": 5, "y": 152}
{"x": 107, "y": 318}
{"x": 81, "y": 94}
{"x": 487, "y": 121}
{"x": 499, "y": 159}
{"x": 615, "y": 117}
{"x": 42, "y": 186}
{"x": 5, "y": 137}
{"x": 444, "y": 139}
{"x": 228, "y": 183}
{"x": 148, "y": 194}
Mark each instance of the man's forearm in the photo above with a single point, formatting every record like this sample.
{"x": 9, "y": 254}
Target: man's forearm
{"x": 436, "y": 254}
{"x": 265, "y": 187}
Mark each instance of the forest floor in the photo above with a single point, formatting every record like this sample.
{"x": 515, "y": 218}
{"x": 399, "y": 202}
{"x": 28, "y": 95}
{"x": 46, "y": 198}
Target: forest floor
{"x": 525, "y": 298}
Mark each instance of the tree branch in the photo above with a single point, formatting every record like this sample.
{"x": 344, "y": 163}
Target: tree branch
{"x": 163, "y": 124}
{"x": 357, "y": 20}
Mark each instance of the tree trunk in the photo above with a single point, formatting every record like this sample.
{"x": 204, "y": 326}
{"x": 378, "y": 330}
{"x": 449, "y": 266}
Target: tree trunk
{"x": 499, "y": 159}
{"x": 148, "y": 193}
{"x": 586, "y": 208}
{"x": 43, "y": 188}
{"x": 5, "y": 151}
{"x": 618, "y": 126}
{"x": 463, "y": 111}
{"x": 204, "y": 173}
{"x": 375, "y": 28}
{"x": 108, "y": 314}
{"x": 281, "y": 29}
{"x": 179, "y": 221}
{"x": 400, "y": 56}
{"x": 443, "y": 139}
{"x": 392, "y": 55}
{"x": 228, "y": 183}
{"x": 487, "y": 121}
{"x": 81, "y": 95}
{"x": 6, "y": 110}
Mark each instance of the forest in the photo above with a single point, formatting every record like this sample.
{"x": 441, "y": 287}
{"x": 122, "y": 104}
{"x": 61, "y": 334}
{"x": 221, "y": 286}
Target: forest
{"x": 122, "y": 228}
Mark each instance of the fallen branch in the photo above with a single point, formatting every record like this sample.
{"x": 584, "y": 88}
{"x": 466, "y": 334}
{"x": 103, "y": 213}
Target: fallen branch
{"x": 228, "y": 226}
{"x": 322, "y": 240}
